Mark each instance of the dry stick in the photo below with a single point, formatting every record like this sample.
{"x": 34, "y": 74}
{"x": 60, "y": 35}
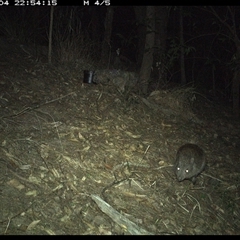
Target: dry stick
{"x": 14, "y": 216}
{"x": 55, "y": 125}
{"x": 118, "y": 218}
{"x": 37, "y": 106}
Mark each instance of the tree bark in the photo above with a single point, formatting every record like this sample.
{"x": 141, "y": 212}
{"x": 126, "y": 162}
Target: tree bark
{"x": 106, "y": 47}
{"x": 50, "y": 36}
{"x": 236, "y": 86}
{"x": 159, "y": 66}
{"x": 182, "y": 63}
{"x": 231, "y": 26}
{"x": 147, "y": 61}
{"x": 140, "y": 13}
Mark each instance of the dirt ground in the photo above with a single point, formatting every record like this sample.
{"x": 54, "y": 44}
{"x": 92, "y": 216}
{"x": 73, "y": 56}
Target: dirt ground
{"x": 95, "y": 159}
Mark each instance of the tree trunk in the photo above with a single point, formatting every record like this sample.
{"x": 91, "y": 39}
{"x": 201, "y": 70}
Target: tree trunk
{"x": 95, "y": 27}
{"x": 235, "y": 92}
{"x": 233, "y": 30}
{"x": 182, "y": 63}
{"x": 236, "y": 85}
{"x": 159, "y": 66}
{"x": 106, "y": 47}
{"x": 147, "y": 61}
{"x": 140, "y": 13}
{"x": 95, "y": 24}
{"x": 50, "y": 36}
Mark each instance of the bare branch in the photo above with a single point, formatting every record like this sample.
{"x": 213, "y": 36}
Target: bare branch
{"x": 232, "y": 29}
{"x": 232, "y": 12}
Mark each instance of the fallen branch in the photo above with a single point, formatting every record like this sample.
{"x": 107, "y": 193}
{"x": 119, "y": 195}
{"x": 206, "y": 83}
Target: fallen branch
{"x": 118, "y": 218}
{"x": 28, "y": 109}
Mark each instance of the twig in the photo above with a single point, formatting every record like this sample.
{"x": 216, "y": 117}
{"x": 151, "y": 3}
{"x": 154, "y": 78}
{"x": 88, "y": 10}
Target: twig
{"x": 28, "y": 109}
{"x": 118, "y": 218}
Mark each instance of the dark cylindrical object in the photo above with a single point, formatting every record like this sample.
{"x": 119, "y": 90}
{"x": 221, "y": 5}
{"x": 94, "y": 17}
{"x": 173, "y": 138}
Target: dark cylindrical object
{"x": 88, "y": 77}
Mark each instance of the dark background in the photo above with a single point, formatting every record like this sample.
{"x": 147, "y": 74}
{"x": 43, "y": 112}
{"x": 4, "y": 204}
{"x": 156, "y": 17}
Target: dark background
{"x": 209, "y": 51}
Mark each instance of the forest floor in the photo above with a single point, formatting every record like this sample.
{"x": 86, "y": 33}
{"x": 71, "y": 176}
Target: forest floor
{"x": 80, "y": 158}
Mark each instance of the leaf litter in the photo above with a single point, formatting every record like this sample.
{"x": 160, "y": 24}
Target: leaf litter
{"x": 97, "y": 159}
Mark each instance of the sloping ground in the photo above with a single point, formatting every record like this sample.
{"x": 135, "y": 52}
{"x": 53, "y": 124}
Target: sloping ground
{"x": 68, "y": 148}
